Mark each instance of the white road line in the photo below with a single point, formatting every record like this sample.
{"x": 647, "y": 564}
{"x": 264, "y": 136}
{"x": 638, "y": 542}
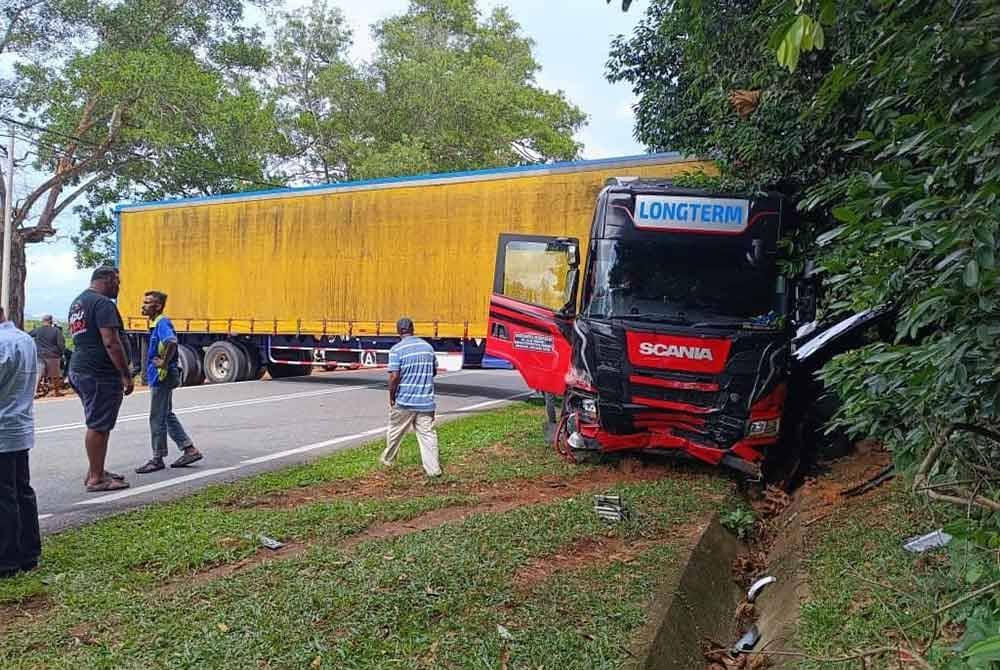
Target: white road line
{"x": 214, "y": 406}
{"x": 235, "y": 403}
{"x": 311, "y": 447}
{"x": 139, "y": 490}
{"x": 489, "y": 403}
{"x": 43, "y": 517}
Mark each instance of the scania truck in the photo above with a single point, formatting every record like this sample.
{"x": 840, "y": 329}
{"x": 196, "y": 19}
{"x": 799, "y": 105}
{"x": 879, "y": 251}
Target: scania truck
{"x": 686, "y": 336}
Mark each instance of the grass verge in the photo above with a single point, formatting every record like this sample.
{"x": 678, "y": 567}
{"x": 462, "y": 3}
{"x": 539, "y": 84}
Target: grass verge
{"x": 433, "y": 598}
{"x": 866, "y": 592}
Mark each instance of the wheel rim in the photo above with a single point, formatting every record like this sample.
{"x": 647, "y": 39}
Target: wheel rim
{"x": 221, "y": 365}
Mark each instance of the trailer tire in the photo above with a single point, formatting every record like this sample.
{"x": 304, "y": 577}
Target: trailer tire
{"x": 252, "y": 370}
{"x": 224, "y": 363}
{"x": 281, "y": 371}
{"x": 189, "y": 362}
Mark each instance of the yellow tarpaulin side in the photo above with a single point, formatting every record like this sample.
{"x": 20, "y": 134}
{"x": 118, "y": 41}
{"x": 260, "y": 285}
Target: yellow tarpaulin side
{"x": 351, "y": 262}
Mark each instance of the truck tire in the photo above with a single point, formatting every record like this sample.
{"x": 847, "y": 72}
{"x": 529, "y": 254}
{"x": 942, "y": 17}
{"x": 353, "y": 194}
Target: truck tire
{"x": 224, "y": 363}
{"x": 252, "y": 357}
{"x": 189, "y": 362}
{"x": 279, "y": 371}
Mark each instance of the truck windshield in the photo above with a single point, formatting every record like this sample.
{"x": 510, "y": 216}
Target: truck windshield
{"x": 676, "y": 282}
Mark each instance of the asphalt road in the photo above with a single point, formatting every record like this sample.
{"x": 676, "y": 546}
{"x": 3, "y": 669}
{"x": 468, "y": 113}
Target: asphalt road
{"x": 242, "y": 429}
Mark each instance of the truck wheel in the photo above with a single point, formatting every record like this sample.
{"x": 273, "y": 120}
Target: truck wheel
{"x": 813, "y": 430}
{"x": 189, "y": 362}
{"x": 251, "y": 354}
{"x": 279, "y": 371}
{"x": 224, "y": 363}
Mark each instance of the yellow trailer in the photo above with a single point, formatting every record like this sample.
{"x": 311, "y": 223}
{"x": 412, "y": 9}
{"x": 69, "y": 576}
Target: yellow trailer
{"x": 320, "y": 274}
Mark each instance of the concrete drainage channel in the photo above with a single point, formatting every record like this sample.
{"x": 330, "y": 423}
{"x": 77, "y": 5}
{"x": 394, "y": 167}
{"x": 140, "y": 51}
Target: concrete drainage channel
{"x": 695, "y": 604}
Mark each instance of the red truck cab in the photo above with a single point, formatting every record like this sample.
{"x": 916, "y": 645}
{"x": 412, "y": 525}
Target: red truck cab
{"x": 680, "y": 338}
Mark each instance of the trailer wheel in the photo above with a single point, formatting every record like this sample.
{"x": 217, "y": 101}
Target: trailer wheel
{"x": 281, "y": 371}
{"x": 189, "y": 362}
{"x": 224, "y": 363}
{"x": 253, "y": 369}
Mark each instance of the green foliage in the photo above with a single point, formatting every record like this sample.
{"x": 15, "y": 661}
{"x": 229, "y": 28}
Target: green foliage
{"x": 140, "y": 99}
{"x": 94, "y": 242}
{"x": 882, "y": 119}
{"x": 684, "y": 60}
{"x": 740, "y": 520}
{"x": 446, "y": 90}
{"x": 919, "y": 228}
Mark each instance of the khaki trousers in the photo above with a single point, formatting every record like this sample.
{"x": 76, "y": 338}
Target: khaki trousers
{"x": 422, "y": 423}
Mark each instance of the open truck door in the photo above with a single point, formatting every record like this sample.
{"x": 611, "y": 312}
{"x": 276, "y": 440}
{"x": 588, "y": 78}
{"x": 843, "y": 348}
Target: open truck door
{"x": 533, "y": 306}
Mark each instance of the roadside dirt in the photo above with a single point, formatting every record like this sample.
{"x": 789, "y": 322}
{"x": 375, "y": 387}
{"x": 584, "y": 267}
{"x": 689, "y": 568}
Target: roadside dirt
{"x": 493, "y": 498}
{"x": 382, "y": 485}
{"x": 589, "y": 550}
{"x": 12, "y": 614}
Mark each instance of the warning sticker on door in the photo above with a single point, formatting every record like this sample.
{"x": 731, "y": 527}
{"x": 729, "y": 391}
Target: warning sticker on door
{"x": 534, "y": 342}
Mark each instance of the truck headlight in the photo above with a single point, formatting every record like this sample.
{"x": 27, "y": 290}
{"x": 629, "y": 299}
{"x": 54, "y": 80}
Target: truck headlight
{"x": 588, "y": 408}
{"x": 764, "y": 428}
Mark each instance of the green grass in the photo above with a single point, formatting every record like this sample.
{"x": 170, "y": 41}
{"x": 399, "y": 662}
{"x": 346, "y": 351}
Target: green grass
{"x": 428, "y": 599}
{"x": 865, "y": 591}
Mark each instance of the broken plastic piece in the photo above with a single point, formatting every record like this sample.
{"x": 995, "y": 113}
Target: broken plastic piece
{"x": 922, "y": 543}
{"x": 270, "y": 542}
{"x": 758, "y": 586}
{"x": 610, "y": 508}
{"x": 748, "y": 641}
{"x": 504, "y": 633}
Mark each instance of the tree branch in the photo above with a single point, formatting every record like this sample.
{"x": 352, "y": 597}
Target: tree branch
{"x": 8, "y": 36}
{"x": 965, "y": 499}
{"x": 978, "y": 430}
{"x": 56, "y": 181}
{"x": 104, "y": 174}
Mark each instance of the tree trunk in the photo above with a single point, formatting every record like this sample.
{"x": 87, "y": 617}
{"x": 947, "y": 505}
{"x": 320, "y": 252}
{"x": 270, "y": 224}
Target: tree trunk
{"x": 18, "y": 273}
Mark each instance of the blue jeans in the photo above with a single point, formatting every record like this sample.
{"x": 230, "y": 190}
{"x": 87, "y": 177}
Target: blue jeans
{"x": 162, "y": 420}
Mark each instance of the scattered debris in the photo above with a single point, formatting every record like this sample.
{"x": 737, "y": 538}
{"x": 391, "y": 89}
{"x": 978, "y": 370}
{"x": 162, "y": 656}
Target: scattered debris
{"x": 775, "y": 500}
{"x": 746, "y": 614}
{"x": 758, "y": 586}
{"x": 749, "y": 566}
{"x": 504, "y": 634}
{"x": 922, "y": 543}
{"x": 610, "y": 508}
{"x": 882, "y": 476}
{"x": 270, "y": 543}
{"x": 748, "y": 641}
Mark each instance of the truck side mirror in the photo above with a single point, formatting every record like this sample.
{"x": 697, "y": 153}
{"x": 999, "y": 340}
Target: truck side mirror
{"x": 572, "y": 280}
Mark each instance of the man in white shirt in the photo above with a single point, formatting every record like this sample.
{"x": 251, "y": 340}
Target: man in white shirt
{"x": 20, "y": 540}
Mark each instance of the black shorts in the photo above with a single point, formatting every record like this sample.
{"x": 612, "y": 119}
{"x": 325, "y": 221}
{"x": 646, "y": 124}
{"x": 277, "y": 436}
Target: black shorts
{"x": 101, "y": 398}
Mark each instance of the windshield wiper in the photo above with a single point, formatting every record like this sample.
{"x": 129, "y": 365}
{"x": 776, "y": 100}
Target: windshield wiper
{"x": 719, "y": 324}
{"x": 675, "y": 319}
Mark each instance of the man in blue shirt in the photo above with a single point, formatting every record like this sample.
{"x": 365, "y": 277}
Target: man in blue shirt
{"x": 163, "y": 376}
{"x": 412, "y": 367}
{"x": 20, "y": 541}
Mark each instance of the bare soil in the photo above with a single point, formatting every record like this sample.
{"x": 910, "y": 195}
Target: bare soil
{"x": 493, "y": 498}
{"x": 12, "y": 614}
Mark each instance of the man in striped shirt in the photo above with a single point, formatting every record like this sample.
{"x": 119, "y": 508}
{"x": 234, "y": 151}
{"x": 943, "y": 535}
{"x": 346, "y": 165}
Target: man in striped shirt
{"x": 412, "y": 367}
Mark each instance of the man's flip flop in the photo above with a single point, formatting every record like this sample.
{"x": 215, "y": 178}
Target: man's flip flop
{"x": 107, "y": 485}
{"x": 108, "y": 475}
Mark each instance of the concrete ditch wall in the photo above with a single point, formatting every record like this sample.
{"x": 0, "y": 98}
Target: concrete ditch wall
{"x": 697, "y": 602}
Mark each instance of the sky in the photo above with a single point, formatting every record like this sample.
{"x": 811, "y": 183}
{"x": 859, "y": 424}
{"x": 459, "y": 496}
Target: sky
{"x": 571, "y": 44}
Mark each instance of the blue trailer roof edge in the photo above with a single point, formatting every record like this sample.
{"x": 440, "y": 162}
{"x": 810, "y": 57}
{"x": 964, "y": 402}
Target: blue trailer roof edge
{"x": 292, "y": 190}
